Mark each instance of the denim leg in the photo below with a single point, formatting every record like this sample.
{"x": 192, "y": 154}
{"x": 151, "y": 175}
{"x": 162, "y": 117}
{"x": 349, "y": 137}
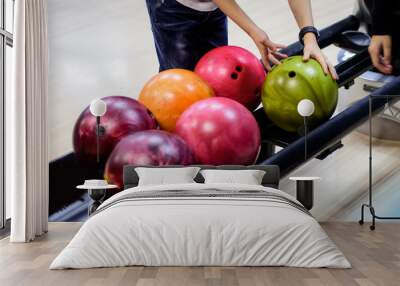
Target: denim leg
{"x": 182, "y": 35}
{"x": 213, "y": 33}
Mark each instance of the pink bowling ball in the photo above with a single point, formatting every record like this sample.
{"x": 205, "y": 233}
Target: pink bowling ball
{"x": 220, "y": 131}
{"x": 235, "y": 73}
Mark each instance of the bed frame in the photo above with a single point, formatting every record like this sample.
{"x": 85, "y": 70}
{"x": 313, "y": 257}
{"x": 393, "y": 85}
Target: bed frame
{"x": 271, "y": 177}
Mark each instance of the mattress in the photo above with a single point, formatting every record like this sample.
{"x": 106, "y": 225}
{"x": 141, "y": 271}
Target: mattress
{"x": 201, "y": 225}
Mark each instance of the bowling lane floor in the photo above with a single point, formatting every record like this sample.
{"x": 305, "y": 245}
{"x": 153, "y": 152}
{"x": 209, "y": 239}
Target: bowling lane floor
{"x": 375, "y": 258}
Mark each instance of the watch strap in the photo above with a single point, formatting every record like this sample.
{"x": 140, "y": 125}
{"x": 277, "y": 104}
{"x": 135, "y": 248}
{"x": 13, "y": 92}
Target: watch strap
{"x": 308, "y": 29}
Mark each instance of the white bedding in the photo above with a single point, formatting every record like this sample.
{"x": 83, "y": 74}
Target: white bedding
{"x": 200, "y": 231}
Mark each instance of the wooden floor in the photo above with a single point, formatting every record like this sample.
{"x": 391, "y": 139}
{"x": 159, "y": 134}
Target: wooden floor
{"x": 375, "y": 257}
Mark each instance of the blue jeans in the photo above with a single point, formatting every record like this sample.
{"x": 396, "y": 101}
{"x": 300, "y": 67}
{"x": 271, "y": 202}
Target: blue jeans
{"x": 183, "y": 35}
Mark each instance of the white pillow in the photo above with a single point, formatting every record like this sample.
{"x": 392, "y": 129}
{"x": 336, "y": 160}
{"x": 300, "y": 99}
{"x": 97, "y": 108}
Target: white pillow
{"x": 248, "y": 177}
{"x": 165, "y": 176}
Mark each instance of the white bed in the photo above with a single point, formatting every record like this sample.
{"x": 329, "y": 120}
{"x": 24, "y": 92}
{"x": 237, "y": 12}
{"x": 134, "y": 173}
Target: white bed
{"x": 249, "y": 226}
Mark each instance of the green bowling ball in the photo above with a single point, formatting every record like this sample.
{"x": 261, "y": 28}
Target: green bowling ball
{"x": 290, "y": 82}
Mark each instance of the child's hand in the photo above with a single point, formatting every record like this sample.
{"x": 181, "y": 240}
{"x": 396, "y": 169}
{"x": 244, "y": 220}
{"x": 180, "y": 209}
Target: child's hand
{"x": 312, "y": 50}
{"x": 380, "y": 50}
{"x": 268, "y": 49}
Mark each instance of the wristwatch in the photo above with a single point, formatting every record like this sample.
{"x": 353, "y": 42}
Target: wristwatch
{"x": 308, "y": 29}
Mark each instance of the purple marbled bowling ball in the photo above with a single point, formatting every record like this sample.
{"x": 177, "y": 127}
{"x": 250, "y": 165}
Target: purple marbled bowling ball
{"x": 220, "y": 131}
{"x": 152, "y": 147}
{"x": 124, "y": 116}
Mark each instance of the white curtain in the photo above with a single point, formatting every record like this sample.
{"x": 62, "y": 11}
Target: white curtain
{"x": 26, "y": 123}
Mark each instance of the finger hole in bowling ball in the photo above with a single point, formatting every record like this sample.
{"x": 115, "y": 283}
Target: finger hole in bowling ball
{"x": 234, "y": 75}
{"x": 239, "y": 69}
{"x": 151, "y": 115}
{"x": 292, "y": 74}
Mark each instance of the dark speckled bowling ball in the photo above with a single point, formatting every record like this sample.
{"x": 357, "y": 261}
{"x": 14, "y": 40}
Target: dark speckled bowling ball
{"x": 124, "y": 116}
{"x": 152, "y": 147}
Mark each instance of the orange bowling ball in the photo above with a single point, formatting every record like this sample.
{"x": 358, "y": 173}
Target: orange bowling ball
{"x": 168, "y": 94}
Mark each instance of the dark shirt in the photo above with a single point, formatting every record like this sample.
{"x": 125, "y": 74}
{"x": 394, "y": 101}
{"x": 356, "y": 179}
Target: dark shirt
{"x": 385, "y": 17}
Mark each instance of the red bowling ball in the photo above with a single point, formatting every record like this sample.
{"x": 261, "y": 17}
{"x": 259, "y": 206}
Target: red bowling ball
{"x": 233, "y": 72}
{"x": 124, "y": 116}
{"x": 152, "y": 147}
{"x": 220, "y": 131}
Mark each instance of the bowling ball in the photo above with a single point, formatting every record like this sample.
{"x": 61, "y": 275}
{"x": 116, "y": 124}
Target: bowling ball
{"x": 235, "y": 73}
{"x": 220, "y": 131}
{"x": 290, "y": 82}
{"x": 124, "y": 115}
{"x": 152, "y": 147}
{"x": 171, "y": 92}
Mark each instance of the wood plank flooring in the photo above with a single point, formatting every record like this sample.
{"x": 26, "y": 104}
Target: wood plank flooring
{"x": 375, "y": 257}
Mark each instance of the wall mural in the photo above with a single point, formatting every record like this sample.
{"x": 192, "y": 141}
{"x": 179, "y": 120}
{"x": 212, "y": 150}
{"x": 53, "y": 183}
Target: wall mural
{"x": 109, "y": 113}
